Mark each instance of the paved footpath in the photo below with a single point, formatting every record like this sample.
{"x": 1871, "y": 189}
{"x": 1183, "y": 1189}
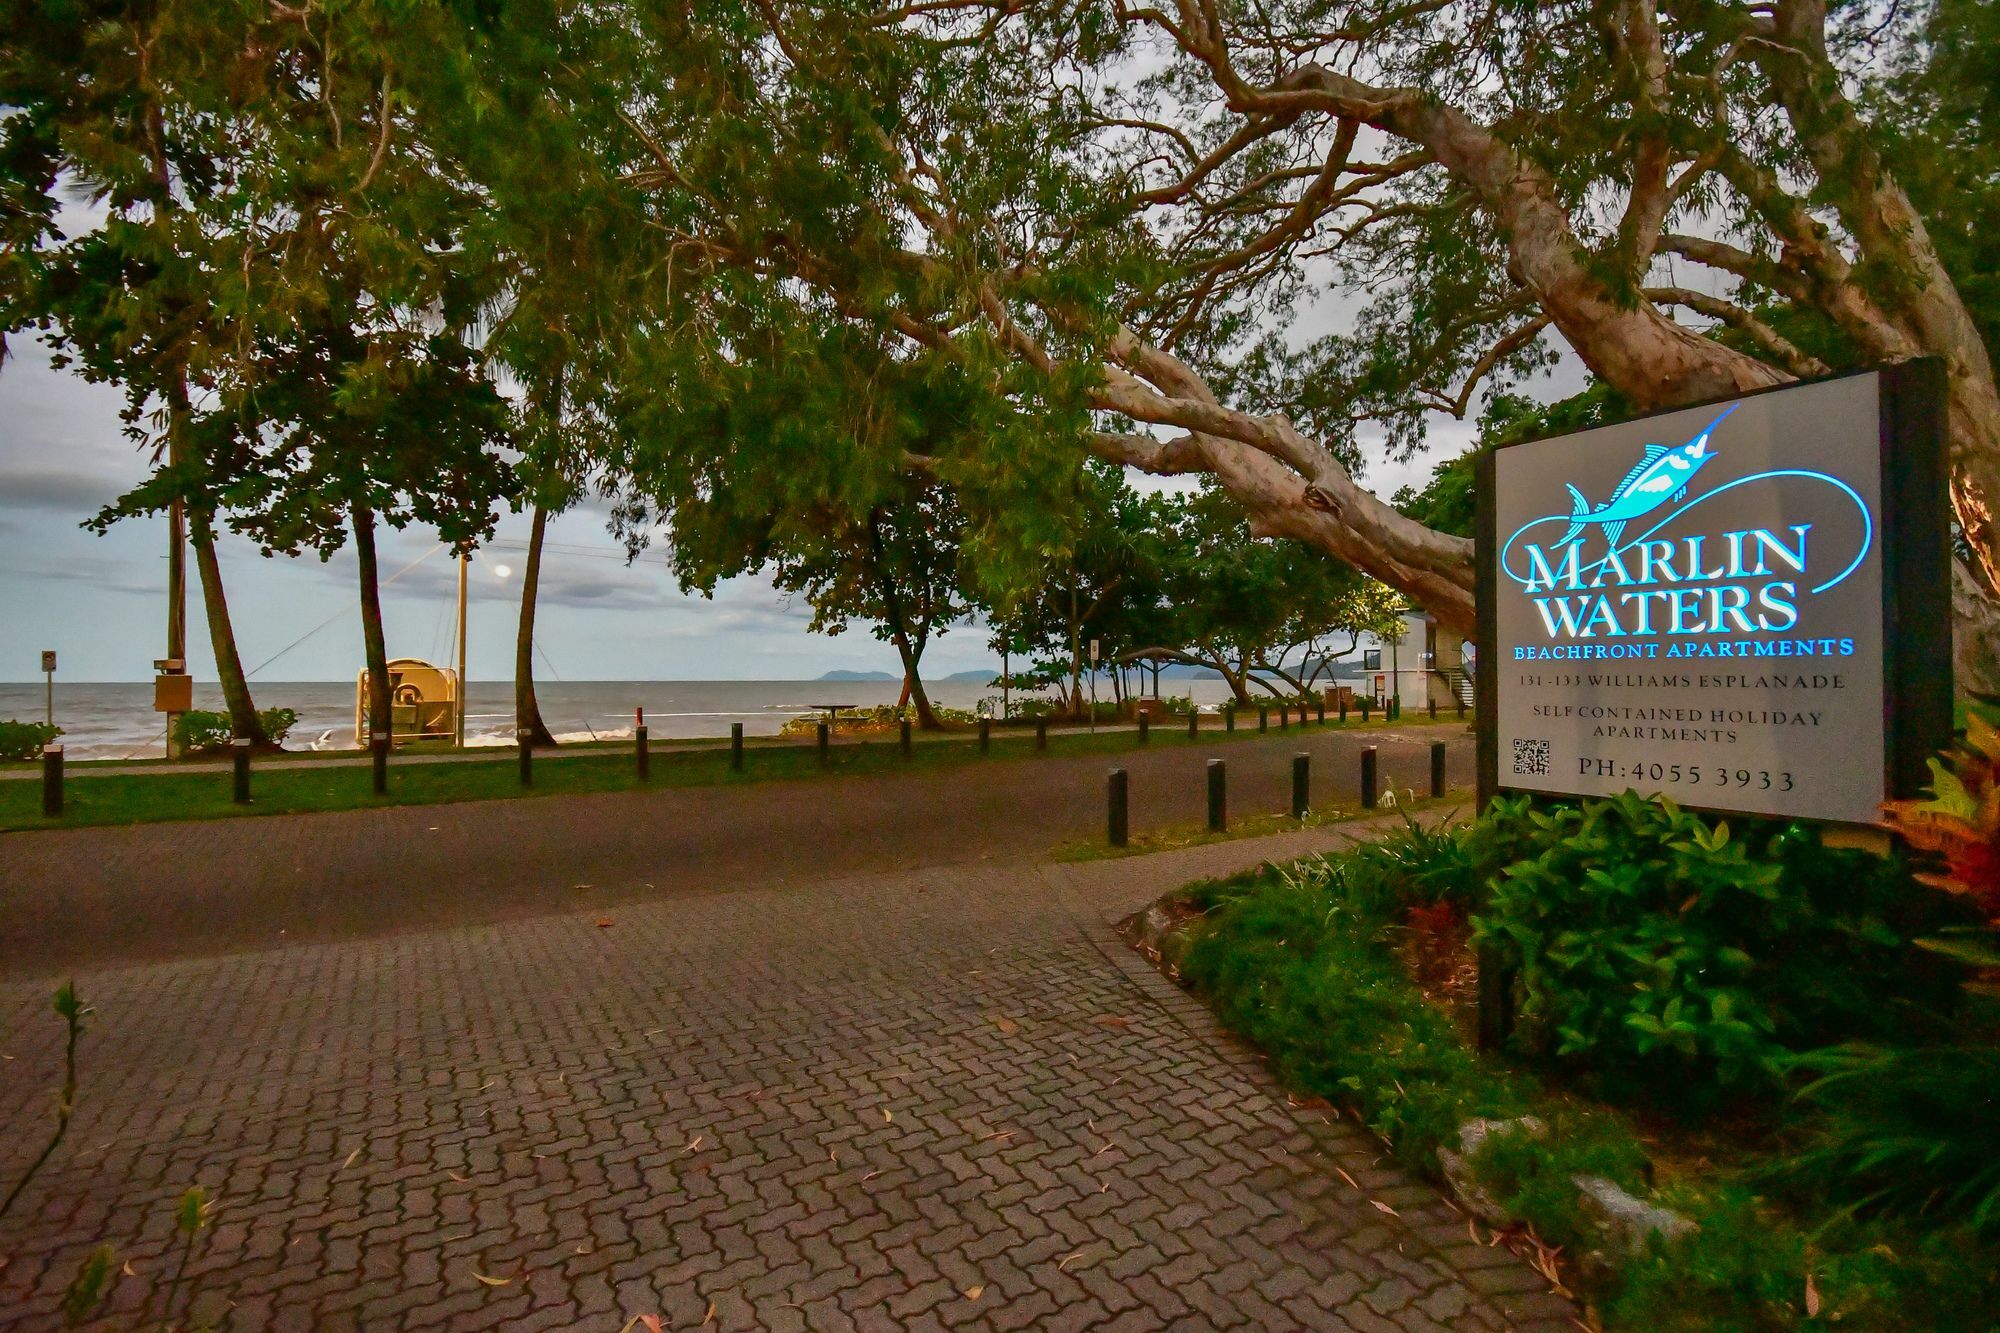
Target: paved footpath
{"x": 906, "y": 1099}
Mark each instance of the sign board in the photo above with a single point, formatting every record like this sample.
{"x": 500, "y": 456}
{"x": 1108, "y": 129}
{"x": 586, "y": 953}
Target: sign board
{"x": 1742, "y": 605}
{"x": 48, "y": 659}
{"x": 1093, "y": 652}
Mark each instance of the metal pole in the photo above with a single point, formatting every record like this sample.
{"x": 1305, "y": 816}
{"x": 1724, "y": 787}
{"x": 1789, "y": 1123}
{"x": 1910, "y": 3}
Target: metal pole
{"x": 736, "y": 747}
{"x": 1370, "y": 779}
{"x": 463, "y": 562}
{"x": 49, "y": 699}
{"x": 1437, "y": 768}
{"x": 239, "y": 756}
{"x": 1115, "y": 799}
{"x": 52, "y": 780}
{"x": 1301, "y": 785}
{"x": 1218, "y": 796}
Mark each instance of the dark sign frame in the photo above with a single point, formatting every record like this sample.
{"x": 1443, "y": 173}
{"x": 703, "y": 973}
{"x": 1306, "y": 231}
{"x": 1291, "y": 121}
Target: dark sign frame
{"x": 1916, "y": 576}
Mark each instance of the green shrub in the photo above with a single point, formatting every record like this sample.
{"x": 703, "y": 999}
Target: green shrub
{"x": 198, "y": 732}
{"x": 1910, "y": 1131}
{"x": 24, "y": 740}
{"x": 1666, "y": 959}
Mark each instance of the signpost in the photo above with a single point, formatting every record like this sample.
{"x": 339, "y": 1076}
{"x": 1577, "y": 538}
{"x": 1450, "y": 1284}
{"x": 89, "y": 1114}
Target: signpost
{"x": 49, "y": 682}
{"x": 1742, "y": 605}
{"x": 1093, "y": 686}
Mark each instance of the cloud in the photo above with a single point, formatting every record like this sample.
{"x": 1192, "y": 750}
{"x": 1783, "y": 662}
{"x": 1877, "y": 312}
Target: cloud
{"x": 78, "y": 493}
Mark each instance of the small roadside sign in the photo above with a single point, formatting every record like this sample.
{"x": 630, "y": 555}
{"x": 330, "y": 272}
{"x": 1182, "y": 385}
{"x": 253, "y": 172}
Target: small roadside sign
{"x": 48, "y": 659}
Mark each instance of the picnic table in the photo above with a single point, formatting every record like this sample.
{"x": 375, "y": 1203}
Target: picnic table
{"x": 833, "y": 712}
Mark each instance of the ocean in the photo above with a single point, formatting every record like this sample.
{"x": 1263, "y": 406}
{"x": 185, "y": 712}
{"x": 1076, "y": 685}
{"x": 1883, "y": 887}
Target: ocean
{"x": 106, "y": 721}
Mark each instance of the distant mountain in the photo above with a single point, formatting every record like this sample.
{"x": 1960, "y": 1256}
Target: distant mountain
{"x": 967, "y": 677}
{"x": 859, "y": 675}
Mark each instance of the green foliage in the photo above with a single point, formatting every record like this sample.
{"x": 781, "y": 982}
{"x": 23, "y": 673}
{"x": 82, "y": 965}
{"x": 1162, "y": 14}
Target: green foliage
{"x": 24, "y": 740}
{"x": 1910, "y": 1131}
{"x": 90, "y": 1286}
{"x": 199, "y": 732}
{"x": 1661, "y": 957}
{"x": 1294, "y": 961}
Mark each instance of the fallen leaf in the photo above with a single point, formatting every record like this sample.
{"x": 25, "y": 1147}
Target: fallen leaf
{"x": 603, "y": 921}
{"x": 1006, "y": 1025}
{"x": 1068, "y": 1259}
{"x": 130, "y": 1271}
{"x": 350, "y": 1159}
{"x": 1385, "y": 1208}
{"x": 974, "y": 1293}
{"x": 651, "y": 1321}
{"x": 709, "y": 1318}
{"x": 492, "y": 1281}
{"x": 886, "y": 1117}
{"x": 1349, "y": 1179}
{"x": 1812, "y": 1297}
{"x": 455, "y": 1176}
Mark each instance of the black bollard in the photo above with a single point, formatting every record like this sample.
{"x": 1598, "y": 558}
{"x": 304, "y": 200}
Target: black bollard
{"x": 1229, "y": 717}
{"x": 821, "y": 742}
{"x": 1194, "y": 720}
{"x": 239, "y": 763}
{"x": 1370, "y": 779}
{"x": 1343, "y": 710}
{"x": 1284, "y": 717}
{"x": 1321, "y": 705}
{"x": 52, "y": 780}
{"x": 1367, "y": 702}
{"x": 905, "y": 738}
{"x": 1218, "y": 796}
{"x": 527, "y": 747}
{"x": 642, "y": 754}
{"x": 1263, "y": 718}
{"x": 1437, "y": 768}
{"x": 736, "y": 746}
{"x": 1145, "y": 729}
{"x": 1461, "y": 708}
{"x": 378, "y": 744}
{"x": 1432, "y": 704}
{"x": 985, "y": 734}
{"x": 1041, "y": 733}
{"x": 1115, "y": 793}
{"x": 1301, "y": 785}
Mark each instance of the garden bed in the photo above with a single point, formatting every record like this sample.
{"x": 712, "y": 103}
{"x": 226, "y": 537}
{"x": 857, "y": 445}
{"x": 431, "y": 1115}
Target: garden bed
{"x": 1674, "y": 1170}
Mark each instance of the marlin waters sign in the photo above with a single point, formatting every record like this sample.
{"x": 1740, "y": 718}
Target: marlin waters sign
{"x": 1744, "y": 605}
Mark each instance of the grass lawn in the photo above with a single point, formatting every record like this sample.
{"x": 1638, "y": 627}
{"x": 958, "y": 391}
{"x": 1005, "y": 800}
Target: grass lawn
{"x": 1248, "y": 826}
{"x": 139, "y": 797}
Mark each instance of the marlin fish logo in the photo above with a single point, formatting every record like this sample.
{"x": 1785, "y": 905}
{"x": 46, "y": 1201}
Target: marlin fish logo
{"x": 1662, "y": 475}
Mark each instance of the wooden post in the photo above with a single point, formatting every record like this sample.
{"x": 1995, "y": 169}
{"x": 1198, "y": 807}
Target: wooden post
{"x": 1301, "y": 785}
{"x": 1218, "y": 796}
{"x": 985, "y": 734}
{"x": 1370, "y": 779}
{"x": 1041, "y": 733}
{"x": 1194, "y": 720}
{"x": 1115, "y": 799}
{"x": 820, "y": 734}
{"x": 642, "y": 753}
{"x": 1145, "y": 728}
{"x": 1437, "y": 768}
{"x": 736, "y": 747}
{"x": 239, "y": 763}
{"x": 904, "y": 737}
{"x": 52, "y": 780}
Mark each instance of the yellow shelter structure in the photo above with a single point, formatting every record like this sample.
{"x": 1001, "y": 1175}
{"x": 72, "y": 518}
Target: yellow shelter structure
{"x": 423, "y": 703}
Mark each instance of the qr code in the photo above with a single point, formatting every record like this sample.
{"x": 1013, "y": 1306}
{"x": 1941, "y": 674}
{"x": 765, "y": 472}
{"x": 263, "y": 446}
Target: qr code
{"x": 1531, "y": 758}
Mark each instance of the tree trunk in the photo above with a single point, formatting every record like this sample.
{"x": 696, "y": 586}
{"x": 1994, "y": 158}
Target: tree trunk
{"x": 371, "y": 621}
{"x": 527, "y": 711}
{"x": 899, "y": 632}
{"x": 243, "y": 720}
{"x": 913, "y": 683}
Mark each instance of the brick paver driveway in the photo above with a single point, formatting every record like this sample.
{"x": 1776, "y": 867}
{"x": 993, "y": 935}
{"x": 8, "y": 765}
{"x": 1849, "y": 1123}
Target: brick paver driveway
{"x": 946, "y": 1097}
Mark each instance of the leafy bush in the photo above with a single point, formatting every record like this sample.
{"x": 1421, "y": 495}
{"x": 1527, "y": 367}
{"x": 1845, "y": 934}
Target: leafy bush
{"x": 24, "y": 740}
{"x": 1660, "y": 955}
{"x": 198, "y": 732}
